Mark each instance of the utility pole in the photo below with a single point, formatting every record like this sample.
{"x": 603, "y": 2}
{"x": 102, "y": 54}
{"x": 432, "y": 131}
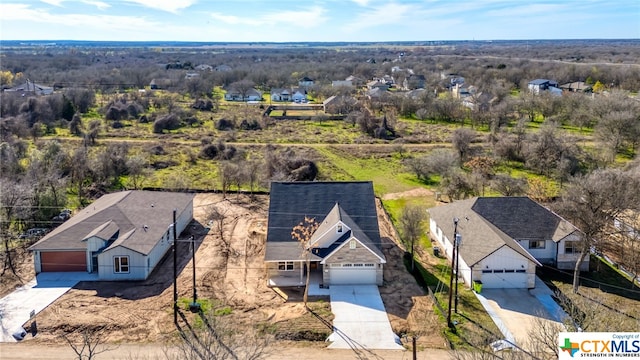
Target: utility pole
{"x": 458, "y": 240}
{"x": 194, "y": 306}
{"x": 453, "y": 258}
{"x": 175, "y": 270}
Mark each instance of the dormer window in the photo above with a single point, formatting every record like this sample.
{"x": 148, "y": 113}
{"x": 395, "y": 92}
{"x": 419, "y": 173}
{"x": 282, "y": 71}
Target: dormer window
{"x": 339, "y": 228}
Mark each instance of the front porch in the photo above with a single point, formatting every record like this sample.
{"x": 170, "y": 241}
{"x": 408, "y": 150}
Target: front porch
{"x": 315, "y": 281}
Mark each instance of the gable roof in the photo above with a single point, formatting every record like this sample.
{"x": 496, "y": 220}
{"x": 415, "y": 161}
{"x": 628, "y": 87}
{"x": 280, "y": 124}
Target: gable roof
{"x": 290, "y": 202}
{"x": 139, "y": 219}
{"x": 480, "y": 237}
{"x": 522, "y": 218}
{"x": 338, "y": 214}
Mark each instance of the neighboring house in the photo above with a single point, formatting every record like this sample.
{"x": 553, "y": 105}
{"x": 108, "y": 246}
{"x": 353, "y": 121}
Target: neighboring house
{"x": 452, "y": 79}
{"x": 377, "y": 84}
{"x": 191, "y": 75}
{"x": 299, "y": 95}
{"x": 250, "y": 95}
{"x": 121, "y": 236}
{"x": 296, "y": 94}
{"x": 305, "y": 82}
{"x": 503, "y": 239}
{"x": 355, "y": 81}
{"x": 31, "y": 88}
{"x": 577, "y": 86}
{"x": 281, "y": 94}
{"x": 539, "y": 85}
{"x": 157, "y": 84}
{"x": 345, "y": 249}
{"x": 339, "y": 104}
{"x": 413, "y": 82}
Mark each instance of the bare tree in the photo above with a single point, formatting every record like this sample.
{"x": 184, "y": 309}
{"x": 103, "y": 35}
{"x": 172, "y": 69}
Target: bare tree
{"x": 594, "y": 202}
{"x": 303, "y": 233}
{"x": 88, "y": 343}
{"x": 461, "y": 140}
{"x": 411, "y": 225}
{"x": 13, "y": 196}
{"x": 508, "y": 186}
{"x": 220, "y": 338}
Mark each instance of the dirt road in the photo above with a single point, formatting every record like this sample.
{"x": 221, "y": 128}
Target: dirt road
{"x": 21, "y": 351}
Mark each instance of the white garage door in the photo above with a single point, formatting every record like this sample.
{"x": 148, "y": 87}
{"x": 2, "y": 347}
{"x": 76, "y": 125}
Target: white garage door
{"x": 499, "y": 279}
{"x": 352, "y": 274}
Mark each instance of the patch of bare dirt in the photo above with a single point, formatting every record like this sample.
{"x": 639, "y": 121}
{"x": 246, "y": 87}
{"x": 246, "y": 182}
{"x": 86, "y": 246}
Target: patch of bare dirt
{"x": 409, "y": 193}
{"x": 229, "y": 269}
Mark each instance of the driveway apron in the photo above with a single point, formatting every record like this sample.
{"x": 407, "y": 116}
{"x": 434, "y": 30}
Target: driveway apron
{"x": 360, "y": 319}
{"x": 515, "y": 310}
{"x": 34, "y": 296}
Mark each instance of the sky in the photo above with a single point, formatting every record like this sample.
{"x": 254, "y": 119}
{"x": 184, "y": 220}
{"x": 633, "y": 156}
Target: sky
{"x": 317, "y": 21}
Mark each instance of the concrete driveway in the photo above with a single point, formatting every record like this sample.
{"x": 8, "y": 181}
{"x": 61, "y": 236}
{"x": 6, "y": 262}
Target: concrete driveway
{"x": 36, "y": 295}
{"x": 515, "y": 310}
{"x": 360, "y": 319}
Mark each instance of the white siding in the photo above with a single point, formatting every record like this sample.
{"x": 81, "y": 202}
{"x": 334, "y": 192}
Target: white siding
{"x": 142, "y": 265}
{"x": 546, "y": 255}
{"x": 331, "y": 235}
{"x": 137, "y": 265}
{"x": 568, "y": 261}
{"x": 506, "y": 265}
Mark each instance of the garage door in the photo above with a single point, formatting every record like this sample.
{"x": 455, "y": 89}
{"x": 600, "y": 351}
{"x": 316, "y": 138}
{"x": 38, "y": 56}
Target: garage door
{"x": 352, "y": 274}
{"x": 63, "y": 261}
{"x": 499, "y": 279}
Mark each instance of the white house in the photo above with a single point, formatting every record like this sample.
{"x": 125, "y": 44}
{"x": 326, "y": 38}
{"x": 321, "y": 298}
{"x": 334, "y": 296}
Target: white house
{"x": 121, "y": 236}
{"x": 504, "y": 239}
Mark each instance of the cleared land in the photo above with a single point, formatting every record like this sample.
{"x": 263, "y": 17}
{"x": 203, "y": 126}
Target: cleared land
{"x": 230, "y": 276}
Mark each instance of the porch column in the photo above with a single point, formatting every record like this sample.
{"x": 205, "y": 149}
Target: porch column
{"x": 302, "y": 272}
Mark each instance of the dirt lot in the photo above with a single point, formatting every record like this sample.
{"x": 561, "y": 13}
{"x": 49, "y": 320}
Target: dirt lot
{"x": 229, "y": 272}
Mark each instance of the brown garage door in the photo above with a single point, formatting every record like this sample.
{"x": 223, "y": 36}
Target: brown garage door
{"x": 63, "y": 261}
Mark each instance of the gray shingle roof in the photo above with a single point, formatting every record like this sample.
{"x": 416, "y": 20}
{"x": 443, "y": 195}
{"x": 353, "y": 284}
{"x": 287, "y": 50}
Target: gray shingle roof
{"x": 290, "y": 202}
{"x": 481, "y": 237}
{"x": 122, "y": 213}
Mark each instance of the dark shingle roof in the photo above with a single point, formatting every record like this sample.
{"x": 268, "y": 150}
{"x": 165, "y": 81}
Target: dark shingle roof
{"x": 522, "y": 218}
{"x": 480, "y": 237}
{"x": 124, "y": 213}
{"x": 290, "y": 202}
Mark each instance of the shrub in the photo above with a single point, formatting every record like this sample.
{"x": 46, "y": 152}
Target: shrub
{"x": 166, "y": 122}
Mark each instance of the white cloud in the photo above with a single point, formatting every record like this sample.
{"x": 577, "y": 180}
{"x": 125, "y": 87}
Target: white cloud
{"x": 528, "y": 10}
{"x": 99, "y": 4}
{"x": 172, "y": 6}
{"x": 390, "y": 13}
{"x": 53, "y": 2}
{"x": 19, "y": 12}
{"x": 309, "y": 18}
{"x": 361, "y": 2}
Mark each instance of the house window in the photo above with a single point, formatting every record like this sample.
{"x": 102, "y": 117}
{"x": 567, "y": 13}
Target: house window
{"x": 358, "y": 265}
{"x": 339, "y": 228}
{"x": 571, "y": 247}
{"x": 536, "y": 244}
{"x": 285, "y": 265}
{"x": 352, "y": 244}
{"x": 369, "y": 265}
{"x": 121, "y": 264}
